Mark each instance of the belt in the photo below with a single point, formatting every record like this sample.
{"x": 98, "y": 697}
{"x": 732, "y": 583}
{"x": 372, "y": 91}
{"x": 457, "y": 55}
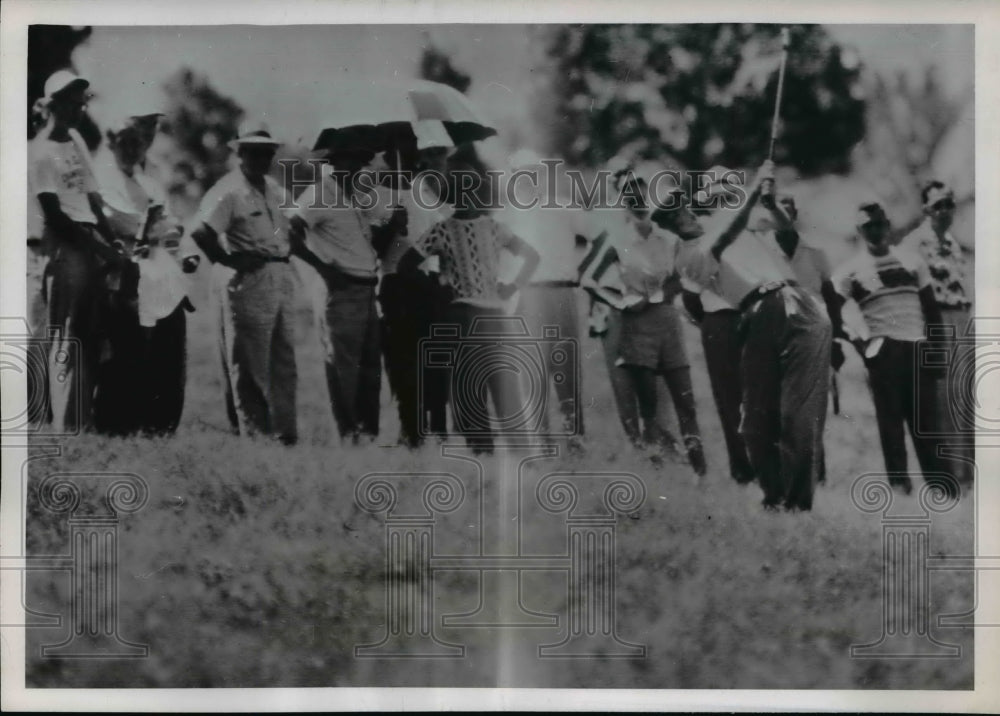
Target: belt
{"x": 763, "y": 290}
{"x": 553, "y": 284}
{"x": 332, "y": 274}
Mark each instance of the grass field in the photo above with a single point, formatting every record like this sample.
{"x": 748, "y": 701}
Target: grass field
{"x": 239, "y": 572}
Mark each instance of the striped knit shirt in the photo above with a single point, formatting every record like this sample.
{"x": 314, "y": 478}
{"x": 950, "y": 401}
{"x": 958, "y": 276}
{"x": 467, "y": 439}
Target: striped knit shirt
{"x": 885, "y": 289}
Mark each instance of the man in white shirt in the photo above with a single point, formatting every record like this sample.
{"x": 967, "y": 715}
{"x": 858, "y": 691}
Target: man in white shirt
{"x": 62, "y": 178}
{"x": 337, "y": 233}
{"x": 242, "y": 227}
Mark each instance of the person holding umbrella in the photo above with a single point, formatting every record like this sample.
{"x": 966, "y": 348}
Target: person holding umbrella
{"x": 333, "y": 225}
{"x": 241, "y": 227}
{"x": 411, "y": 303}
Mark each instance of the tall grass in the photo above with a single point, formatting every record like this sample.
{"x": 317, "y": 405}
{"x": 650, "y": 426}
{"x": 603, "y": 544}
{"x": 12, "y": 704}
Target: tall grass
{"x": 239, "y": 571}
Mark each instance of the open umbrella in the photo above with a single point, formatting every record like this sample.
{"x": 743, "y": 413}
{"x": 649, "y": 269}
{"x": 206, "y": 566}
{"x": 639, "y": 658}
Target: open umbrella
{"x": 365, "y": 115}
{"x": 434, "y": 100}
{"x": 380, "y": 116}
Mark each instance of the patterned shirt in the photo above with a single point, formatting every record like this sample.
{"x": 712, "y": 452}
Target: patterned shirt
{"x": 470, "y": 256}
{"x": 946, "y": 260}
{"x": 886, "y": 290}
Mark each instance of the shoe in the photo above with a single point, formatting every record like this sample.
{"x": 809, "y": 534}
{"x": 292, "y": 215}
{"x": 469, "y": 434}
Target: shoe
{"x": 903, "y": 484}
{"x": 696, "y": 456}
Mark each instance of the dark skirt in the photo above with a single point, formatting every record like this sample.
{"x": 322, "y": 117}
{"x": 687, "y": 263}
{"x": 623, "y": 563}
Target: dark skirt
{"x": 653, "y": 338}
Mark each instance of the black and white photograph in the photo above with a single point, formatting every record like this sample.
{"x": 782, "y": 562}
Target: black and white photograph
{"x": 627, "y": 355}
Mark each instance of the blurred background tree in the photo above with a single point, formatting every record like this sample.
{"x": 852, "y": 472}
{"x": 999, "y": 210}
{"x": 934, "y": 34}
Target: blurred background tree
{"x": 911, "y": 124}
{"x": 435, "y": 65}
{"x": 200, "y": 121}
{"x": 50, "y": 48}
{"x": 703, "y": 95}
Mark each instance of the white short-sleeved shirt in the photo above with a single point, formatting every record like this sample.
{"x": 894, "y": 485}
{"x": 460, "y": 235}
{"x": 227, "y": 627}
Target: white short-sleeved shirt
{"x": 746, "y": 264}
{"x": 338, "y": 232}
{"x": 64, "y": 169}
{"x": 248, "y": 220}
{"x": 886, "y": 289}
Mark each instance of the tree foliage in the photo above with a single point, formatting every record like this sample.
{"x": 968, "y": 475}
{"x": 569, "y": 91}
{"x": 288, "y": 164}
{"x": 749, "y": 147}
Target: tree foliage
{"x": 436, "y": 66}
{"x": 703, "y": 94}
{"x": 201, "y": 121}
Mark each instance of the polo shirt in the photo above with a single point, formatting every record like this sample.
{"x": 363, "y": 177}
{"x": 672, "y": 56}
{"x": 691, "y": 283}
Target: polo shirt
{"x": 248, "y": 220}
{"x": 338, "y": 232}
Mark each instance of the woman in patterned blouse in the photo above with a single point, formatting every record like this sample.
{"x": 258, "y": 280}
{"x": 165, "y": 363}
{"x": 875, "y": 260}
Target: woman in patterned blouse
{"x": 468, "y": 245}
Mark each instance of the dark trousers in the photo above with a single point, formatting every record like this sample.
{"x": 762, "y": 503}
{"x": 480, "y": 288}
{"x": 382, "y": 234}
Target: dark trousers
{"x": 899, "y": 390}
{"x": 410, "y": 305}
{"x": 481, "y": 368}
{"x": 678, "y": 381}
{"x": 74, "y": 287}
{"x": 721, "y": 342}
{"x": 353, "y": 356}
{"x": 623, "y": 391}
{"x": 785, "y": 369}
{"x": 141, "y": 386}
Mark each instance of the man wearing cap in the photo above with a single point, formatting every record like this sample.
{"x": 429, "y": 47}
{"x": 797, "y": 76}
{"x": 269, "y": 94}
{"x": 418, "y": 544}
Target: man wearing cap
{"x": 892, "y": 286}
{"x": 785, "y": 349}
{"x": 412, "y": 302}
{"x": 950, "y": 271}
{"x": 77, "y": 232}
{"x": 334, "y": 218}
{"x": 241, "y": 227}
